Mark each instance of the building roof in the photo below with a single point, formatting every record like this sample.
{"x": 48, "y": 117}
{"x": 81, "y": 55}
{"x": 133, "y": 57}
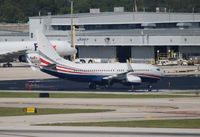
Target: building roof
{"x": 125, "y": 17}
{"x": 14, "y": 27}
{"x": 139, "y": 32}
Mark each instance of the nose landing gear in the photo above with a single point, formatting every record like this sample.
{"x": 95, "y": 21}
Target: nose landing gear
{"x": 8, "y": 64}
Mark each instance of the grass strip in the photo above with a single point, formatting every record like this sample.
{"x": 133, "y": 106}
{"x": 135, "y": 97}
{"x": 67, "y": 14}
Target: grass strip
{"x": 6, "y": 111}
{"x": 180, "y": 123}
{"x": 89, "y": 95}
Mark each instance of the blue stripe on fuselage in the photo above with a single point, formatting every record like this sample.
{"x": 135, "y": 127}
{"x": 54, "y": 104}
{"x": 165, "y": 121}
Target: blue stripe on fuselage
{"x": 89, "y": 78}
{"x": 74, "y": 77}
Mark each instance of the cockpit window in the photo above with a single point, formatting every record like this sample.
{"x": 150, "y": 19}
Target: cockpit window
{"x": 158, "y": 69}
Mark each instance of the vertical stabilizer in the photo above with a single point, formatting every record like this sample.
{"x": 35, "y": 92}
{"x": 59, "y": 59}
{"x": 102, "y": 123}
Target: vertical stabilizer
{"x": 47, "y": 53}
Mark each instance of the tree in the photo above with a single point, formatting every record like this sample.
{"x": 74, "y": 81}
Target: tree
{"x": 14, "y": 11}
{"x": 9, "y": 12}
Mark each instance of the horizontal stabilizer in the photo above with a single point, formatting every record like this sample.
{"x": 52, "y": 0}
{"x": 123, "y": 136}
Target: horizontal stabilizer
{"x": 34, "y": 67}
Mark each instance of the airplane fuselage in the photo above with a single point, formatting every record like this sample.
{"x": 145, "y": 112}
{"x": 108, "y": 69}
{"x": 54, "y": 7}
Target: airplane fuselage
{"x": 98, "y": 71}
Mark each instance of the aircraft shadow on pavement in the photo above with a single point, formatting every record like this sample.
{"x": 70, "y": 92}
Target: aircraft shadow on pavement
{"x": 175, "y": 83}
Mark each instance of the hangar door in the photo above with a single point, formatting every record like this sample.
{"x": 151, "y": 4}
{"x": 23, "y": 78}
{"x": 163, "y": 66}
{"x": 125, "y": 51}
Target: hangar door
{"x": 123, "y": 53}
{"x": 96, "y": 52}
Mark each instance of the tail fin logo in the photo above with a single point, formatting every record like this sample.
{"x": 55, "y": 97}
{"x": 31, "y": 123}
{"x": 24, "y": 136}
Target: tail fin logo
{"x": 54, "y": 46}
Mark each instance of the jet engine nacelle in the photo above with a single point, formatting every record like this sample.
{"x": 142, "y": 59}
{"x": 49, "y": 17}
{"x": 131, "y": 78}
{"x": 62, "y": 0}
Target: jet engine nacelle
{"x": 133, "y": 79}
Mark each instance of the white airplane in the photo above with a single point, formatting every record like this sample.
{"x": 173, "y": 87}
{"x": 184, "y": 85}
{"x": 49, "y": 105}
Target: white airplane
{"x": 19, "y": 49}
{"x": 95, "y": 74}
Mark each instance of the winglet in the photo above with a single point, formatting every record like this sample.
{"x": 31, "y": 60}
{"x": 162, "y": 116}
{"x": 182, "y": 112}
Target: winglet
{"x": 129, "y": 67}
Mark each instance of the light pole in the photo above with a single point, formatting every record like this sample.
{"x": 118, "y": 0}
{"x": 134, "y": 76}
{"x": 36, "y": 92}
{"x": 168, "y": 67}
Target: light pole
{"x": 158, "y": 56}
{"x": 169, "y": 53}
{"x": 72, "y": 29}
{"x": 135, "y": 6}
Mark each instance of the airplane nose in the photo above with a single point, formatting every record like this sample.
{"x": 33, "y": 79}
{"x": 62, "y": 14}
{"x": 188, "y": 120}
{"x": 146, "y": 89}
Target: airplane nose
{"x": 159, "y": 72}
{"x": 73, "y": 50}
{"x": 70, "y": 51}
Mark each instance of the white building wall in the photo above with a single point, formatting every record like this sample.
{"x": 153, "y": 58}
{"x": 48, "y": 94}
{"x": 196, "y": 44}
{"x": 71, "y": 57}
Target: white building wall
{"x": 138, "y": 40}
{"x": 64, "y": 21}
{"x": 14, "y": 38}
{"x": 108, "y": 40}
{"x": 174, "y": 40}
{"x": 36, "y": 24}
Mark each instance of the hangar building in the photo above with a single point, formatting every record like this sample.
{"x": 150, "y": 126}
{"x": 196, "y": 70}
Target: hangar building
{"x": 141, "y": 36}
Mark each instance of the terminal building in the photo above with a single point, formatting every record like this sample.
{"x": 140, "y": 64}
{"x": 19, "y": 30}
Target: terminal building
{"x": 140, "y": 36}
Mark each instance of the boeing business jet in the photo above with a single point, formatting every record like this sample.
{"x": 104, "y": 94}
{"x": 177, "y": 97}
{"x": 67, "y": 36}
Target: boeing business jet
{"x": 19, "y": 49}
{"x": 95, "y": 74}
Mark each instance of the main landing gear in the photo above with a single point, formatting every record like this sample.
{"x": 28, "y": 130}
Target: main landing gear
{"x": 132, "y": 88}
{"x": 7, "y": 64}
{"x": 149, "y": 87}
{"x": 92, "y": 85}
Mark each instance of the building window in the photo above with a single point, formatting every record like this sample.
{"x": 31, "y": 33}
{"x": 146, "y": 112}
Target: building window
{"x": 31, "y": 35}
{"x": 61, "y": 27}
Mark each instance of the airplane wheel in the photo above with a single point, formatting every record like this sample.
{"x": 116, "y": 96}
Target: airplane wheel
{"x": 7, "y": 65}
{"x": 150, "y": 88}
{"x": 132, "y": 88}
{"x": 92, "y": 86}
{"x": 107, "y": 86}
{"x": 4, "y": 65}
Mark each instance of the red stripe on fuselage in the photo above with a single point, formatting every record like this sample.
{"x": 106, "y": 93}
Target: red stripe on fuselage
{"x": 72, "y": 70}
{"x": 44, "y": 61}
{"x": 68, "y": 71}
{"x": 64, "y": 67}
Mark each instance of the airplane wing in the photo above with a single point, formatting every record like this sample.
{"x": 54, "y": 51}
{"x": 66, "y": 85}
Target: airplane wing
{"x": 127, "y": 76}
{"x": 120, "y": 76}
{"x": 8, "y": 56}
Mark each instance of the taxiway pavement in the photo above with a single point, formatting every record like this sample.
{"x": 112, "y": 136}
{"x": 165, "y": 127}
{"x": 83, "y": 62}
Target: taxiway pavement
{"x": 125, "y": 109}
{"x": 96, "y": 132}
